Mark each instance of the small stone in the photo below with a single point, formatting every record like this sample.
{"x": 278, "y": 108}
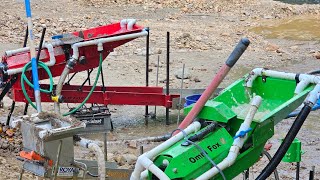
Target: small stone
{"x": 196, "y": 79}
{"x": 294, "y": 47}
{"x": 133, "y": 144}
{"x": 272, "y": 47}
{"x": 127, "y": 159}
{"x": 5, "y": 145}
{"x": 225, "y": 34}
{"x": 185, "y": 35}
{"x": 279, "y": 51}
{"x": 185, "y": 9}
{"x": 317, "y": 55}
{"x": 267, "y": 17}
{"x": 10, "y": 132}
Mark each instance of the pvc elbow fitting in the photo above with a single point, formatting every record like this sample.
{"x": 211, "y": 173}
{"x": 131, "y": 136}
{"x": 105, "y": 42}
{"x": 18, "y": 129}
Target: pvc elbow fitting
{"x": 252, "y": 76}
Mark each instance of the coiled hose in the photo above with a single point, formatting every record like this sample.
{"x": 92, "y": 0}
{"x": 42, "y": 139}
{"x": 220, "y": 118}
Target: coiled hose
{"x": 24, "y": 79}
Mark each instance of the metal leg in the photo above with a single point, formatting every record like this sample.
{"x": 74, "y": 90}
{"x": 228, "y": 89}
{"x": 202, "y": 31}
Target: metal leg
{"x": 10, "y": 113}
{"x": 21, "y": 173}
{"x": 167, "y": 81}
{"x": 157, "y": 80}
{"x": 26, "y": 109}
{"x": 180, "y": 99}
{"x": 298, "y": 171}
{"x": 246, "y": 175}
{"x": 141, "y": 150}
{"x": 311, "y": 175}
{"x": 105, "y": 145}
{"x": 147, "y": 73}
{"x": 57, "y": 161}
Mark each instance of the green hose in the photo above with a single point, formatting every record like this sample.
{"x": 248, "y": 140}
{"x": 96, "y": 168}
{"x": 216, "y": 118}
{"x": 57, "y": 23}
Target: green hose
{"x": 25, "y": 79}
{"x": 91, "y": 91}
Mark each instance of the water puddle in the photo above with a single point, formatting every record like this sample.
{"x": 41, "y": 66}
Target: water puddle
{"x": 303, "y": 28}
{"x": 300, "y": 1}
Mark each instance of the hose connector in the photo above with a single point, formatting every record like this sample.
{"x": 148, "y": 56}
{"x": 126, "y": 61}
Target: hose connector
{"x": 58, "y": 99}
{"x": 71, "y": 63}
{"x": 100, "y": 47}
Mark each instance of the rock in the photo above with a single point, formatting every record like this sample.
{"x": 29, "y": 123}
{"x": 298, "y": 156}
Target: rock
{"x": 10, "y": 132}
{"x": 126, "y": 159}
{"x": 272, "y": 47}
{"x": 196, "y": 79}
{"x": 185, "y": 9}
{"x": 267, "y": 17}
{"x": 133, "y": 144}
{"x": 5, "y": 145}
{"x": 110, "y": 156}
{"x": 186, "y": 74}
{"x": 317, "y": 55}
{"x": 280, "y": 51}
{"x": 294, "y": 47}
{"x": 312, "y": 51}
{"x": 225, "y": 34}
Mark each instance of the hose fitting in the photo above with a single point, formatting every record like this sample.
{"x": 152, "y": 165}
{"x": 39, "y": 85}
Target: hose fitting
{"x": 58, "y": 99}
{"x": 71, "y": 63}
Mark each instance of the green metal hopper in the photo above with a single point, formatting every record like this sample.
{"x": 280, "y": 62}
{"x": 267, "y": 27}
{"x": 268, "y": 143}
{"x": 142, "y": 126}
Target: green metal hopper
{"x": 229, "y": 109}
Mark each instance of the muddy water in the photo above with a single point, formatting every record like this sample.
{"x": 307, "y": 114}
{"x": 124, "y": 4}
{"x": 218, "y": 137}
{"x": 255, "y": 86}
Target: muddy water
{"x": 302, "y": 28}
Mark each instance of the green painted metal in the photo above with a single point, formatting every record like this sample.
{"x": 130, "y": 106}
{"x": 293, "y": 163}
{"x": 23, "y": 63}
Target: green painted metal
{"x": 215, "y": 111}
{"x": 229, "y": 108}
{"x": 187, "y": 162}
{"x": 294, "y": 152}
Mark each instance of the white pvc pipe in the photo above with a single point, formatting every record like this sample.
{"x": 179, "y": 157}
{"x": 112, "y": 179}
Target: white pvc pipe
{"x": 237, "y": 143}
{"x": 10, "y": 53}
{"x": 127, "y": 24}
{"x": 100, "y": 160}
{"x": 51, "y": 62}
{"x": 252, "y": 76}
{"x": 144, "y": 161}
{"x": 313, "y": 95}
{"x": 76, "y": 46}
{"x": 304, "y": 79}
{"x": 92, "y": 145}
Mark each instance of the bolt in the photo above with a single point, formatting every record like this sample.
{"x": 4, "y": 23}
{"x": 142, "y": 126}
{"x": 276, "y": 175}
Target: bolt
{"x": 175, "y": 170}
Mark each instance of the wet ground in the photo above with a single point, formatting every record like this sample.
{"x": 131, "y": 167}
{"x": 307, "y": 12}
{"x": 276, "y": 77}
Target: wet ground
{"x": 284, "y": 37}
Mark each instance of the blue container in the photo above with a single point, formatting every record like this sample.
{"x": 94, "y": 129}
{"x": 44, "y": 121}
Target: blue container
{"x": 191, "y": 99}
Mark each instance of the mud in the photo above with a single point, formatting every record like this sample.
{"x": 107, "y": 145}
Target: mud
{"x": 203, "y": 33}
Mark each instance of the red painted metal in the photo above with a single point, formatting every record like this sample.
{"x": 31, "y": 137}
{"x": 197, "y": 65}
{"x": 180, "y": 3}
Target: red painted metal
{"x": 72, "y": 93}
{"x": 113, "y": 95}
